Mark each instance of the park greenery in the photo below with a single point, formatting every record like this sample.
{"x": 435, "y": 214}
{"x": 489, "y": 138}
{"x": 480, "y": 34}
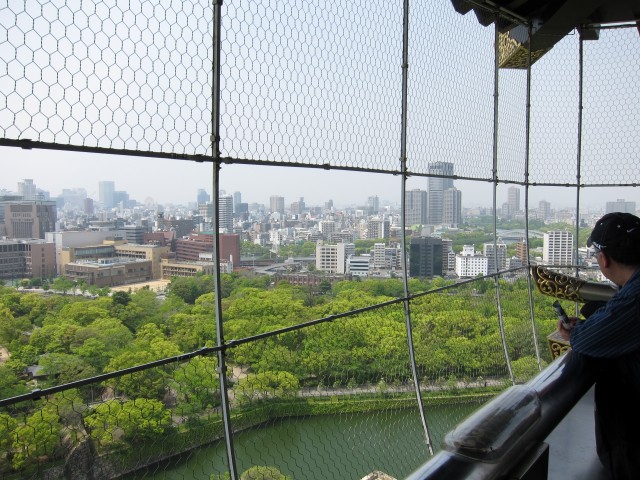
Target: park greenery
{"x": 54, "y": 339}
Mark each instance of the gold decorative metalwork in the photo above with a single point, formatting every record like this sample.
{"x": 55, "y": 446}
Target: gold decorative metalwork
{"x": 557, "y": 345}
{"x": 513, "y": 54}
{"x": 565, "y": 287}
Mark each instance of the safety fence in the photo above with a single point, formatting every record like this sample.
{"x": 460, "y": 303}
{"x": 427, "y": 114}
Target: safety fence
{"x": 285, "y": 381}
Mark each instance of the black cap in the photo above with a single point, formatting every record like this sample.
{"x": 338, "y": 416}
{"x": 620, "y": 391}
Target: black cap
{"x": 612, "y": 229}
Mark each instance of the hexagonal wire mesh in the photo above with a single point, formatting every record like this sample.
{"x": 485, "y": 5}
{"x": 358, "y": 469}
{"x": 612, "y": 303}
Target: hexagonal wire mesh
{"x": 309, "y": 84}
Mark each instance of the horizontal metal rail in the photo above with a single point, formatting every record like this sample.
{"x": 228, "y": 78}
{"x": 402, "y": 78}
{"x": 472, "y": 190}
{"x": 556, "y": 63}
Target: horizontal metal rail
{"x": 494, "y": 440}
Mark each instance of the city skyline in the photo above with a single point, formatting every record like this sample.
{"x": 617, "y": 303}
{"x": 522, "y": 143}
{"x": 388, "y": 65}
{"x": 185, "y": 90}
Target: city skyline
{"x": 54, "y": 171}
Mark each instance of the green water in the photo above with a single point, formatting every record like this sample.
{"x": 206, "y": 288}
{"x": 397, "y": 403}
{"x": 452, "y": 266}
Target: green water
{"x": 324, "y": 447}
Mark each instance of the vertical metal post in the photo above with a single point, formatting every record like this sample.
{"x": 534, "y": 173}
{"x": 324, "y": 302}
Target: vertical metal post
{"x": 534, "y": 330}
{"x": 403, "y": 189}
{"x": 579, "y": 155}
{"x": 215, "y": 146}
{"x": 496, "y": 77}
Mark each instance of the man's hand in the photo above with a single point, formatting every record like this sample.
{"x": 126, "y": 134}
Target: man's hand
{"x": 564, "y": 332}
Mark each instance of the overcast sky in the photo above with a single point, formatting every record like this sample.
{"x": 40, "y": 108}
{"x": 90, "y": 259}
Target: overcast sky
{"x": 311, "y": 82}
{"x": 167, "y": 181}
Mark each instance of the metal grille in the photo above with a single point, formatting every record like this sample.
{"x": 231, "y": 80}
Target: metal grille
{"x": 302, "y": 85}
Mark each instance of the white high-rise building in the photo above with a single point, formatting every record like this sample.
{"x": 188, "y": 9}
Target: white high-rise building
{"x": 379, "y": 254}
{"x": 225, "y": 209}
{"x": 470, "y": 264}
{"x": 558, "y": 248}
{"x": 331, "y": 258}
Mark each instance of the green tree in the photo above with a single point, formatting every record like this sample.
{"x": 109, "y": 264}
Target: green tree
{"x": 8, "y": 424}
{"x": 197, "y": 384}
{"x": 38, "y": 437}
{"x": 137, "y": 420}
{"x": 260, "y": 472}
{"x": 265, "y": 385}
{"x": 63, "y": 284}
{"x": 10, "y": 384}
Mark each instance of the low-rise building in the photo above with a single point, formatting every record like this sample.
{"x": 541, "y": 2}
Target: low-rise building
{"x": 109, "y": 272}
{"x": 27, "y": 259}
{"x": 176, "y": 268}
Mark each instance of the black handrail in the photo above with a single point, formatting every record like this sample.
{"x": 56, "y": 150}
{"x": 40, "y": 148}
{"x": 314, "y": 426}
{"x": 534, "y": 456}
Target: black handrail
{"x": 493, "y": 440}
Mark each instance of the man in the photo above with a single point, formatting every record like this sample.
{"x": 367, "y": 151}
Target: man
{"x": 609, "y": 339}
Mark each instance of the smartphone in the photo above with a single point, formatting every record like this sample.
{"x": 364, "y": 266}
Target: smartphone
{"x": 562, "y": 315}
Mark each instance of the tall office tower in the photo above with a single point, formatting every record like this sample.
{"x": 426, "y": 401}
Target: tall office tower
{"x": 237, "y": 200}
{"x": 425, "y": 257}
{"x": 88, "y": 206}
{"x": 620, "y": 205}
{"x": 106, "y": 190}
{"x": 544, "y": 210}
{"x": 495, "y": 261}
{"x": 436, "y": 186}
{"x": 452, "y": 207}
{"x": 203, "y": 196}
{"x": 415, "y": 208}
{"x": 276, "y": 204}
{"x": 27, "y": 189}
{"x": 513, "y": 199}
{"x": 373, "y": 205}
{"x": 225, "y": 210}
{"x": 558, "y": 248}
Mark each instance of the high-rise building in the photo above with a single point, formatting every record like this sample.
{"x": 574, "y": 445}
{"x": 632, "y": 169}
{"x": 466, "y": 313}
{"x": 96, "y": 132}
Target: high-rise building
{"x": 225, "y": 210}
{"x": 88, "y": 206}
{"x": 106, "y": 190}
{"x": 276, "y": 204}
{"x": 436, "y": 186}
{"x": 378, "y": 228}
{"x": 327, "y": 228}
{"x": 495, "y": 261}
{"x": 27, "y": 189}
{"x": 331, "y": 258}
{"x": 298, "y": 207}
{"x": 513, "y": 199}
{"x": 373, "y": 205}
{"x": 544, "y": 210}
{"x": 415, "y": 208}
{"x": 521, "y": 251}
{"x": 237, "y": 200}
{"x": 470, "y": 264}
{"x": 425, "y": 257}
{"x": 452, "y": 207}
{"x": 558, "y": 248}
{"x": 620, "y": 205}
{"x": 448, "y": 255}
{"x": 203, "y": 196}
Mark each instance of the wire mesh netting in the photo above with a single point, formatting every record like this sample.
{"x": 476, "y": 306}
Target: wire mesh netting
{"x": 326, "y": 372}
